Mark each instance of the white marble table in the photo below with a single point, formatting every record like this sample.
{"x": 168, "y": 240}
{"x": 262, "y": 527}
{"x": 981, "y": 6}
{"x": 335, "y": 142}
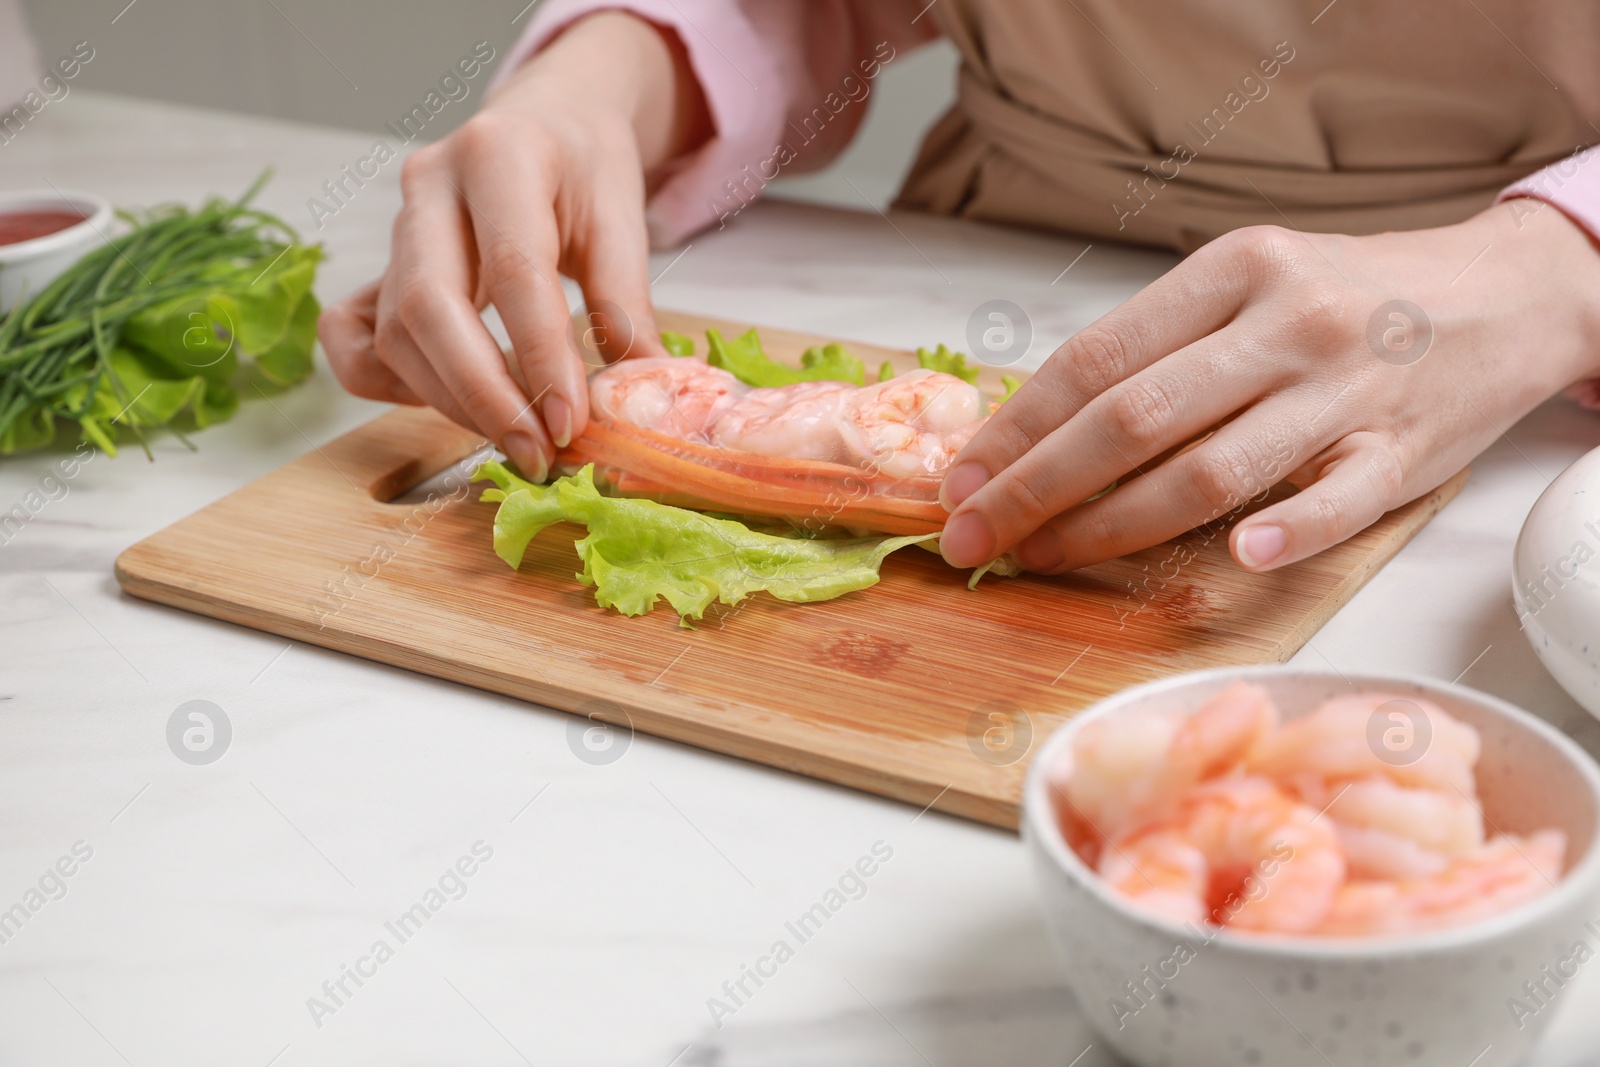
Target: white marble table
{"x": 618, "y": 897}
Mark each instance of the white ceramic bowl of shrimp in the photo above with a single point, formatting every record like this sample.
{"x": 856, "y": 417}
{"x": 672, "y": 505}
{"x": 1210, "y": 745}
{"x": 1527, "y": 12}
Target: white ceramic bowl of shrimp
{"x": 1442, "y": 997}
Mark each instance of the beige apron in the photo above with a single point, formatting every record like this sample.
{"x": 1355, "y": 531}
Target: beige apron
{"x": 1171, "y": 123}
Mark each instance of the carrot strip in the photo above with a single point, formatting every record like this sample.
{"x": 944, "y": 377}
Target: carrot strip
{"x": 640, "y": 462}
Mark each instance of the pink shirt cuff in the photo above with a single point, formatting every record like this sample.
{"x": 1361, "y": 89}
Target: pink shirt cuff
{"x": 775, "y": 73}
{"x": 1573, "y": 187}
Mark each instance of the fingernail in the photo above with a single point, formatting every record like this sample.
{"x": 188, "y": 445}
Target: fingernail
{"x": 558, "y": 420}
{"x": 967, "y": 541}
{"x": 526, "y": 454}
{"x": 1258, "y": 546}
{"x": 960, "y": 482}
{"x": 1041, "y": 551}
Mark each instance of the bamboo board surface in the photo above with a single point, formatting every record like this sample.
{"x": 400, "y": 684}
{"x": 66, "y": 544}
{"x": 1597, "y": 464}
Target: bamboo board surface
{"x": 916, "y": 689}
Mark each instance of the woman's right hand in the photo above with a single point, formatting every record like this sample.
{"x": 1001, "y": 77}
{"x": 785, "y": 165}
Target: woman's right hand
{"x": 549, "y": 178}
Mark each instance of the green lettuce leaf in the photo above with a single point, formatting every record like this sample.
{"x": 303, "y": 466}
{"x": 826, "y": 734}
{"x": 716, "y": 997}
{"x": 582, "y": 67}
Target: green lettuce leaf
{"x": 267, "y": 305}
{"x": 948, "y": 362}
{"x": 1004, "y": 567}
{"x": 952, "y": 363}
{"x": 271, "y": 317}
{"x": 677, "y": 344}
{"x": 832, "y": 363}
{"x": 744, "y": 358}
{"x": 148, "y": 397}
{"x": 289, "y": 359}
{"x": 35, "y": 427}
{"x": 638, "y": 551}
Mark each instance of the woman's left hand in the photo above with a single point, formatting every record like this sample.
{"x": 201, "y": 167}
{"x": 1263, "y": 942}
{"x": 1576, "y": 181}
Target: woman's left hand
{"x": 1364, "y": 370}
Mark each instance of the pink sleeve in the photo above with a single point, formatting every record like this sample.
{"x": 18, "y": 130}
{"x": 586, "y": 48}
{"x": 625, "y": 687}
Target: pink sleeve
{"x": 1572, "y": 186}
{"x": 786, "y": 82}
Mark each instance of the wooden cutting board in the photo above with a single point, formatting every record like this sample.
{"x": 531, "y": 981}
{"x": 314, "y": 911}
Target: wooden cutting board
{"x": 917, "y": 689}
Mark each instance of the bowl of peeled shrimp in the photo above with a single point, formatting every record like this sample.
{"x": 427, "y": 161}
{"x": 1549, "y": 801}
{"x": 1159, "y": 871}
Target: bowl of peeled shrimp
{"x": 1276, "y": 866}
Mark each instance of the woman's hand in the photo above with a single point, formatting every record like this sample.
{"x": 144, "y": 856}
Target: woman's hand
{"x": 1297, "y": 350}
{"x": 548, "y": 178}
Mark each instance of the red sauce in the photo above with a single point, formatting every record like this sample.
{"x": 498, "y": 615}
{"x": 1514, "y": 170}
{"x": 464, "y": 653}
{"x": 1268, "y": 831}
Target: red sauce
{"x": 18, "y": 226}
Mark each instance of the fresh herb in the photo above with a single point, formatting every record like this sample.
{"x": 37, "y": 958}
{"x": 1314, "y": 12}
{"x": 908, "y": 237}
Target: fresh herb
{"x": 638, "y": 551}
{"x": 153, "y": 325}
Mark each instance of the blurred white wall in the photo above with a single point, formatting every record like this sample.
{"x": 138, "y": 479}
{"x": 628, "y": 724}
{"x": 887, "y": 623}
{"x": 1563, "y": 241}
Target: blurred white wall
{"x": 332, "y": 62}
{"x": 360, "y": 64}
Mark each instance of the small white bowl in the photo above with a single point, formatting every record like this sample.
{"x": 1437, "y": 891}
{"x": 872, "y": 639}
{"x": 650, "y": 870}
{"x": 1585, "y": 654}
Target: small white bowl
{"x": 1555, "y": 580}
{"x": 28, "y": 266}
{"x": 1443, "y": 997}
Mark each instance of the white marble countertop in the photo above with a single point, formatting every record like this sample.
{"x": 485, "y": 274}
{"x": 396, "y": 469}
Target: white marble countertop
{"x": 618, "y": 898}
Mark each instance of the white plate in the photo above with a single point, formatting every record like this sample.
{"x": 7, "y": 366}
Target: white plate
{"x": 1556, "y": 580}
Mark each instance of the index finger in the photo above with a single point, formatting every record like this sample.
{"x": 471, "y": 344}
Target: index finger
{"x": 432, "y": 300}
{"x": 1186, "y": 305}
{"x": 1189, "y": 302}
{"x": 519, "y": 245}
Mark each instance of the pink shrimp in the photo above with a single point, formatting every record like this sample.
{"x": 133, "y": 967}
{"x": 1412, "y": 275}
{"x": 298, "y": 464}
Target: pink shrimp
{"x": 820, "y": 454}
{"x": 914, "y": 424}
{"x": 1125, "y": 769}
{"x": 1393, "y": 831}
{"x": 1334, "y": 744}
{"x": 1491, "y": 878}
{"x": 799, "y": 421}
{"x": 1330, "y": 825}
{"x": 1161, "y": 872}
{"x": 1237, "y": 853}
{"x": 680, "y": 398}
